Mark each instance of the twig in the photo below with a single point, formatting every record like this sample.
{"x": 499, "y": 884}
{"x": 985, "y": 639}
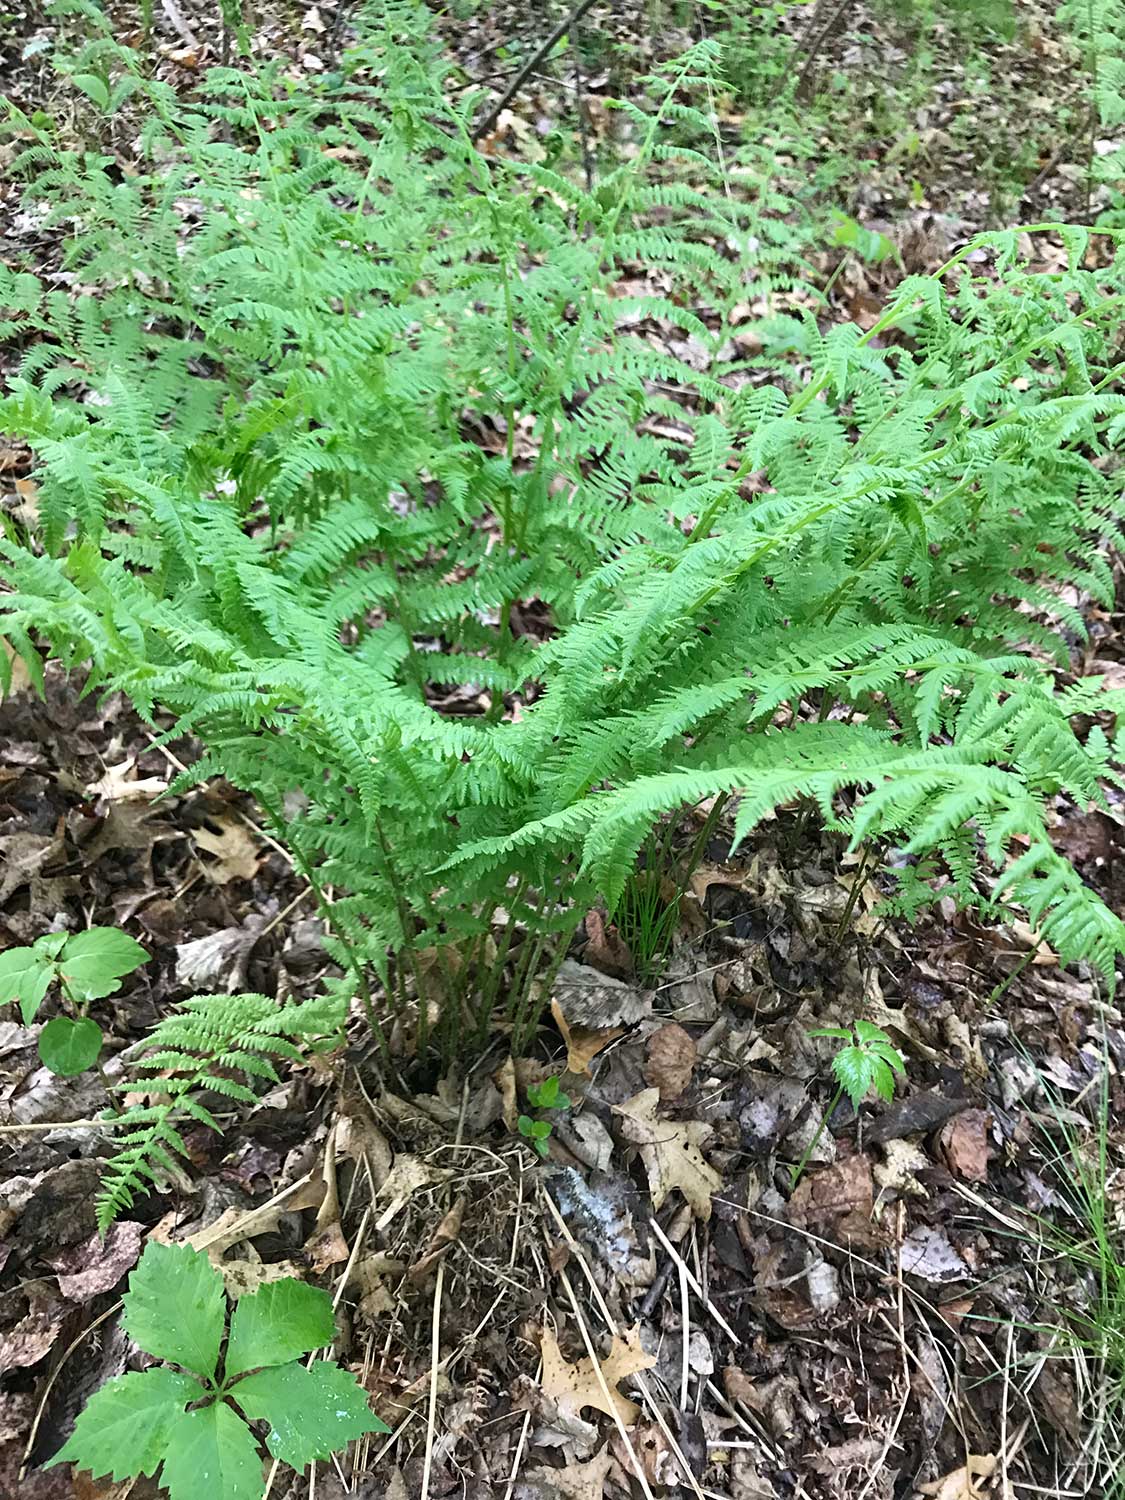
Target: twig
{"x": 491, "y": 115}
{"x": 431, "y": 1409}
{"x": 686, "y": 1271}
{"x": 183, "y": 30}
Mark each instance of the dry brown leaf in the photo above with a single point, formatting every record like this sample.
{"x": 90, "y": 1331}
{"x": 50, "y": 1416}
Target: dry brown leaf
{"x": 20, "y": 680}
{"x": 576, "y": 1481}
{"x": 670, "y": 1059}
{"x": 597, "y": 1001}
{"x": 446, "y": 1234}
{"x": 605, "y": 949}
{"x": 962, "y": 1484}
{"x": 582, "y": 1042}
{"x": 236, "y": 855}
{"x": 965, "y": 1146}
{"x": 574, "y": 1387}
{"x": 670, "y": 1152}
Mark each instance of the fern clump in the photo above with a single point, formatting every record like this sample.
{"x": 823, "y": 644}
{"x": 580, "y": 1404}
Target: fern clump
{"x": 302, "y": 462}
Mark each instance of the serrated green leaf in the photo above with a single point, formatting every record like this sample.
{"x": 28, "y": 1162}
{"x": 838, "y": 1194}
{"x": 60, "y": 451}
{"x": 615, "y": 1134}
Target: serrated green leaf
{"x": 281, "y": 1320}
{"x": 70, "y": 1047}
{"x": 92, "y": 963}
{"x": 853, "y": 1070}
{"x": 867, "y": 1031}
{"x": 175, "y": 1307}
{"x": 124, "y": 1428}
{"x": 211, "y": 1452}
{"x": 25, "y": 975}
{"x": 883, "y": 1078}
{"x": 312, "y": 1413}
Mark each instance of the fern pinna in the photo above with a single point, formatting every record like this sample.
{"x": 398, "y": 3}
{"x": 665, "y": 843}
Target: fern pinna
{"x": 211, "y": 1046}
{"x": 266, "y": 510}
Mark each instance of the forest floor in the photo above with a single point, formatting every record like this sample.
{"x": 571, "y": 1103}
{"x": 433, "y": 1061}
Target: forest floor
{"x": 654, "y": 1309}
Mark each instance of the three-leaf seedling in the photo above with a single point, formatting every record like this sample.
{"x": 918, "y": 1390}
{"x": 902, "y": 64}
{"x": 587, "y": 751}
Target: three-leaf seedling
{"x": 86, "y": 966}
{"x": 869, "y": 1059}
{"x": 193, "y": 1426}
{"x": 545, "y": 1095}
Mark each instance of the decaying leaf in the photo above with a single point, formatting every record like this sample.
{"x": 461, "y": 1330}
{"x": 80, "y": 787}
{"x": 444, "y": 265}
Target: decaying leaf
{"x": 669, "y": 1060}
{"x": 964, "y": 1144}
{"x": 927, "y": 1253}
{"x": 837, "y": 1202}
{"x": 576, "y": 1481}
{"x": 597, "y": 1001}
{"x": 963, "y": 1483}
{"x": 121, "y": 783}
{"x": 573, "y": 1387}
{"x": 670, "y": 1152}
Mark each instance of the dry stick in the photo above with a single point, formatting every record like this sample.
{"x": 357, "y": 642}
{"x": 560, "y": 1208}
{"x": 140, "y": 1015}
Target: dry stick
{"x": 54, "y": 1375}
{"x": 570, "y": 19}
{"x": 686, "y": 1271}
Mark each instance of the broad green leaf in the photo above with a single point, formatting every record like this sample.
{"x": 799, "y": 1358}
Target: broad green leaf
{"x": 281, "y": 1320}
{"x": 93, "y": 87}
{"x": 25, "y": 975}
{"x": 312, "y": 1413}
{"x": 212, "y": 1455}
{"x": 175, "y": 1307}
{"x": 92, "y": 962}
{"x": 68, "y": 1047}
{"x": 123, "y": 1429}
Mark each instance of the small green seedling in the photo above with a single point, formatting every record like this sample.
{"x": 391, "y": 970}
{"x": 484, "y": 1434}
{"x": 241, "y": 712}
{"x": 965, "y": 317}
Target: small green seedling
{"x": 868, "y": 1060}
{"x": 545, "y": 1095}
{"x": 193, "y": 1426}
{"x": 86, "y": 966}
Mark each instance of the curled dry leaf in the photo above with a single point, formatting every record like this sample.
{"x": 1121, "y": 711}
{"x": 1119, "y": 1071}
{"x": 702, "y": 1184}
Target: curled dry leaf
{"x": 573, "y": 1387}
{"x": 670, "y": 1150}
{"x": 583, "y": 1043}
{"x": 964, "y": 1483}
{"x": 669, "y": 1061}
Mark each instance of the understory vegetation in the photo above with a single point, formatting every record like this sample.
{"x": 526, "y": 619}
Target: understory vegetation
{"x": 725, "y": 558}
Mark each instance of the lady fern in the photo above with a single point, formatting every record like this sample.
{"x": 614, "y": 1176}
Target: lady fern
{"x": 267, "y": 511}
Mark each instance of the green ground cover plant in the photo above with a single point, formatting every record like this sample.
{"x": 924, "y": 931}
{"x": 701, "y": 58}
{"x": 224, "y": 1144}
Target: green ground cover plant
{"x": 265, "y": 514}
{"x": 186, "y": 1417}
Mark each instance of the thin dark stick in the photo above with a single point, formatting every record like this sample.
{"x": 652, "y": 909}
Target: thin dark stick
{"x": 580, "y": 105}
{"x": 491, "y": 115}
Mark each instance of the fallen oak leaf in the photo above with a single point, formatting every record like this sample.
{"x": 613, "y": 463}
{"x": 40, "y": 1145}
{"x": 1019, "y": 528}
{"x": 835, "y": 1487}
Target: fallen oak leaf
{"x": 573, "y": 1387}
{"x": 670, "y": 1150}
{"x": 236, "y": 855}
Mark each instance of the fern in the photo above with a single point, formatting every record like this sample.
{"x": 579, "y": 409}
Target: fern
{"x": 213, "y": 1045}
{"x": 286, "y": 502}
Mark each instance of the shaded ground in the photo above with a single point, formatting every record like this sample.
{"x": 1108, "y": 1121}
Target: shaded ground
{"x": 883, "y": 1329}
